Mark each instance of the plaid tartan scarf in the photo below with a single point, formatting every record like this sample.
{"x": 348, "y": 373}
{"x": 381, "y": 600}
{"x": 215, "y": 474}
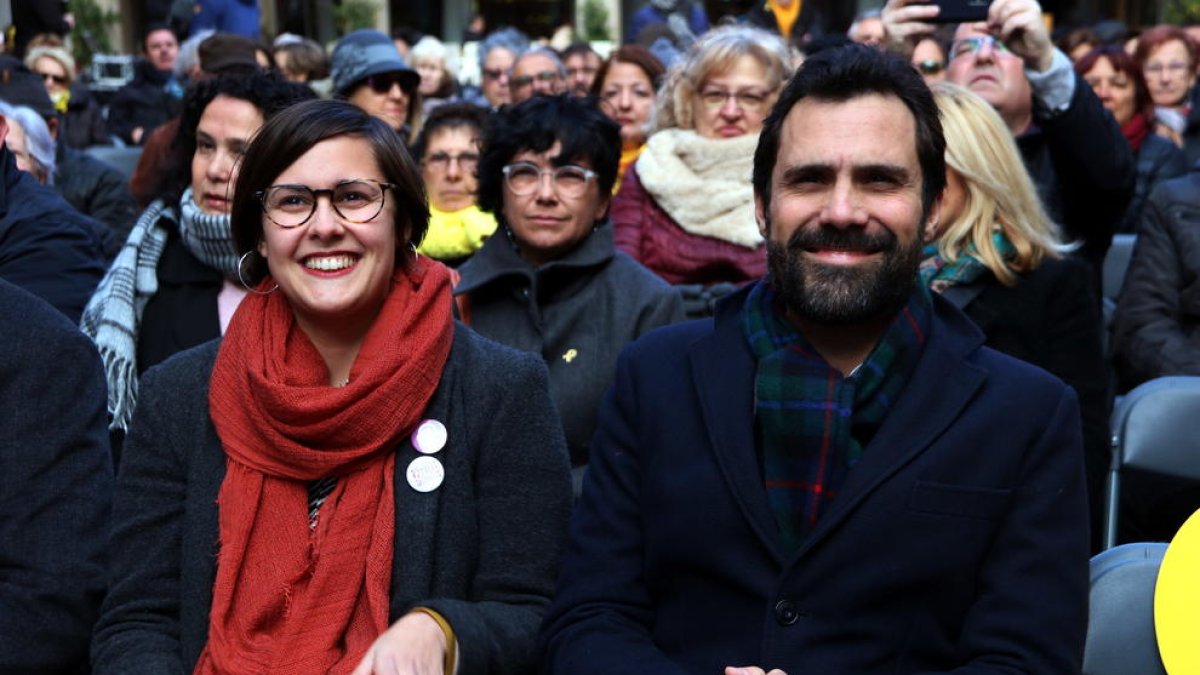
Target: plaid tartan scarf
{"x": 939, "y": 274}
{"x": 812, "y": 422}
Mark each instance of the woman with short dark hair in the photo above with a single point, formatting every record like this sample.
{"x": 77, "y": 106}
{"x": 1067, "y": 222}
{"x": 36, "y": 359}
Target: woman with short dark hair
{"x": 348, "y": 481}
{"x": 549, "y": 281}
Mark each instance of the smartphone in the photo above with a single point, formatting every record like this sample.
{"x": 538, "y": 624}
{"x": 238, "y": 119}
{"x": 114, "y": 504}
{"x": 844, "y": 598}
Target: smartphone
{"x": 961, "y": 11}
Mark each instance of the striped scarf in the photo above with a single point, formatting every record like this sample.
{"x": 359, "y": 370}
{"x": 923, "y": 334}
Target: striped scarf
{"x": 812, "y": 422}
{"x": 113, "y": 315}
{"x": 939, "y": 274}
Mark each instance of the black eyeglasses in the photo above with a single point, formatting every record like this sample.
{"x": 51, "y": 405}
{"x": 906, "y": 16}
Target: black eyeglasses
{"x": 383, "y": 82}
{"x": 440, "y": 161}
{"x": 929, "y": 66}
{"x": 526, "y": 80}
{"x": 357, "y": 201}
{"x": 57, "y": 79}
{"x": 494, "y": 73}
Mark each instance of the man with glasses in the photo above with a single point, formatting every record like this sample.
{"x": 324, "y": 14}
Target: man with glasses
{"x": 550, "y": 282}
{"x": 1072, "y": 147}
{"x": 537, "y": 71}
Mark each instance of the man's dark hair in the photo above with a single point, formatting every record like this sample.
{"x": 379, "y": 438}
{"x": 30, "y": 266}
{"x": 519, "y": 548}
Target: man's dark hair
{"x": 154, "y": 28}
{"x": 577, "y": 47}
{"x": 534, "y": 125}
{"x": 450, "y": 116}
{"x": 841, "y": 74}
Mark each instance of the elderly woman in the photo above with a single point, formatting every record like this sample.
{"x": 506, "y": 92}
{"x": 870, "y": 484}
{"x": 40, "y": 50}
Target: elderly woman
{"x": 995, "y": 253}
{"x": 368, "y": 72}
{"x": 1167, "y": 58}
{"x": 430, "y": 59}
{"x": 174, "y": 284}
{"x": 1119, "y": 85}
{"x": 82, "y": 122}
{"x": 348, "y": 481}
{"x": 552, "y": 283}
{"x": 448, "y": 152}
{"x": 29, "y": 141}
{"x": 626, "y": 86}
{"x": 686, "y": 207}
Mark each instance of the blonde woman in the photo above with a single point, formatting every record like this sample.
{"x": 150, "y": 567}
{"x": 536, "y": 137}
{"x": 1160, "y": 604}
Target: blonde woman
{"x": 685, "y": 209}
{"x": 996, "y": 254}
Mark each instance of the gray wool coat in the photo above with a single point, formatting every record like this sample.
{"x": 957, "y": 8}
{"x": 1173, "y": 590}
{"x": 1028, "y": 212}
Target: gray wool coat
{"x": 482, "y": 549}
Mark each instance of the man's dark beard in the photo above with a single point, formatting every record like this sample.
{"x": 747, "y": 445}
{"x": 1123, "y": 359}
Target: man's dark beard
{"x": 842, "y": 295}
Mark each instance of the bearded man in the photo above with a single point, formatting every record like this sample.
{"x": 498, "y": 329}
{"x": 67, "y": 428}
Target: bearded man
{"x": 832, "y": 475}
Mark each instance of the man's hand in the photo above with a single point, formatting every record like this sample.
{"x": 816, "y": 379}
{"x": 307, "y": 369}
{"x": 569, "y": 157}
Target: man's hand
{"x": 905, "y": 23}
{"x": 414, "y": 645}
{"x": 1018, "y": 24}
{"x": 751, "y": 670}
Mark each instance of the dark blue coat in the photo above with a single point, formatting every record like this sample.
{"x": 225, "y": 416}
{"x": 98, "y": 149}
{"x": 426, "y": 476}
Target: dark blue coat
{"x": 47, "y": 247}
{"x": 227, "y": 16}
{"x": 55, "y": 487}
{"x": 958, "y": 542}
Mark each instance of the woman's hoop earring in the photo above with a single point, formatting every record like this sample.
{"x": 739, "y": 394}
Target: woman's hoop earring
{"x": 242, "y": 279}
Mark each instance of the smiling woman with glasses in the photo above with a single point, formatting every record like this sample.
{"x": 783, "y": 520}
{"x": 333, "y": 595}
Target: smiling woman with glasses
{"x": 551, "y": 283}
{"x": 348, "y": 480}
{"x": 685, "y": 208}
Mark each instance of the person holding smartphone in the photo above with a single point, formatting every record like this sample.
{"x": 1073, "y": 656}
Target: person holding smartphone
{"x": 1073, "y": 149}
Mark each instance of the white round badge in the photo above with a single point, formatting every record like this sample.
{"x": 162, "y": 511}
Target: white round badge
{"x": 425, "y": 474}
{"x": 429, "y": 437}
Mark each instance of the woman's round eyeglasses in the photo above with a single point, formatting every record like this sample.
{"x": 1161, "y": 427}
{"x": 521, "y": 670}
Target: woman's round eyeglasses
{"x": 356, "y": 201}
{"x": 524, "y": 178}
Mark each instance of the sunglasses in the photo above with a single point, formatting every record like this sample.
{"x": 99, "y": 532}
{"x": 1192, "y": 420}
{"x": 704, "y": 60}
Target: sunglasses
{"x": 929, "y": 66}
{"x": 57, "y": 79}
{"x": 383, "y": 83}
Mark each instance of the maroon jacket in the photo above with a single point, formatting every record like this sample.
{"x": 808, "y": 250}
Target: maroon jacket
{"x": 646, "y": 233}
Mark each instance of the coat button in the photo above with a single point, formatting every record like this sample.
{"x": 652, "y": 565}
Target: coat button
{"x": 786, "y": 613}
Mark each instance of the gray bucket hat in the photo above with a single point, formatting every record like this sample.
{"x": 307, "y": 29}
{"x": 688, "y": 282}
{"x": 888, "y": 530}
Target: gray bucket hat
{"x": 364, "y": 53}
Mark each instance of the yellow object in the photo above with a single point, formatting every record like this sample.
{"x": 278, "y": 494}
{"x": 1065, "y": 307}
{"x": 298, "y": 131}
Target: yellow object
{"x": 785, "y": 17}
{"x": 1177, "y": 601}
{"x": 456, "y": 234}
{"x": 628, "y": 157}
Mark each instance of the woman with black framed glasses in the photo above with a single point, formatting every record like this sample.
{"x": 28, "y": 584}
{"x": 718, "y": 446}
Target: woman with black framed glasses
{"x": 368, "y": 72}
{"x": 348, "y": 482}
{"x": 550, "y": 282}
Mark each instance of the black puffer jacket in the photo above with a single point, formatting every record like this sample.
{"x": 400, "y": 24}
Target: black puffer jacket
{"x": 1157, "y": 160}
{"x": 145, "y": 102}
{"x": 1156, "y": 330}
{"x": 83, "y": 125}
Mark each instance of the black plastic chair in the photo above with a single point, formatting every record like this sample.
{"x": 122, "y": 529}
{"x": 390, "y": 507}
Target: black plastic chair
{"x": 1154, "y": 428}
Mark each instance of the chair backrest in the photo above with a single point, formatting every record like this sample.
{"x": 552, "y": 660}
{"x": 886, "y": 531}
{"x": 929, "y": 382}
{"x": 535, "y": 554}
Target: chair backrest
{"x": 1120, "y": 635}
{"x": 123, "y": 159}
{"x": 1116, "y": 262}
{"x": 1154, "y": 428}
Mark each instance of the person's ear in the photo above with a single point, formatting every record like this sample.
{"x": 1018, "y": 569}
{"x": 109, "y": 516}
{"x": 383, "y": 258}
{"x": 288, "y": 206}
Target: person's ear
{"x": 760, "y": 215}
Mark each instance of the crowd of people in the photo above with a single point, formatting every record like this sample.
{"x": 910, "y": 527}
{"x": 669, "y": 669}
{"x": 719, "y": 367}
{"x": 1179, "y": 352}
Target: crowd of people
{"x": 771, "y": 343}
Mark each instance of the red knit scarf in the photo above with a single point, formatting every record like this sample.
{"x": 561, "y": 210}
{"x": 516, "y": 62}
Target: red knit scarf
{"x": 1136, "y": 130}
{"x": 287, "y": 599}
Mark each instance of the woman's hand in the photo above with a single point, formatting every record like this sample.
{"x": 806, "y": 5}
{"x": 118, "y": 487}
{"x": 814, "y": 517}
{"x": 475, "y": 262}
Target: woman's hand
{"x": 751, "y": 670}
{"x": 414, "y": 645}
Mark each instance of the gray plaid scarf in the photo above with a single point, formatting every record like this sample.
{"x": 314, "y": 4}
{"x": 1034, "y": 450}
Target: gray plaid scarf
{"x": 114, "y": 313}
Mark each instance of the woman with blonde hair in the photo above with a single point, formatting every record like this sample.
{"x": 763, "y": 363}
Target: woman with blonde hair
{"x": 996, "y": 254}
{"x": 685, "y": 209}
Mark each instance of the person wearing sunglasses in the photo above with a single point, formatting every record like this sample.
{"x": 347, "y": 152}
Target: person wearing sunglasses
{"x": 685, "y": 208}
{"x": 929, "y": 58}
{"x": 550, "y": 281}
{"x": 82, "y": 122}
{"x": 1072, "y": 148}
{"x": 348, "y": 481}
{"x": 368, "y": 72}
{"x": 448, "y": 152}
{"x": 497, "y": 53}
